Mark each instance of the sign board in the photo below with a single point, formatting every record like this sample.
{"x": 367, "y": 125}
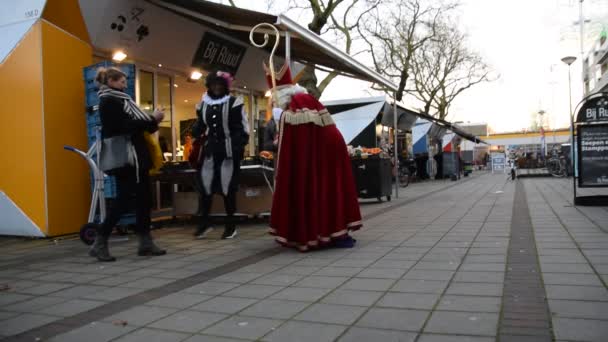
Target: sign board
{"x": 217, "y": 53}
{"x": 498, "y": 162}
{"x": 593, "y": 155}
{"x": 594, "y": 110}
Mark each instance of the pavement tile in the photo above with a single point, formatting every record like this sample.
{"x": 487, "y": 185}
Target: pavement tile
{"x": 470, "y": 303}
{"x": 141, "y": 315}
{"x": 436, "y": 265}
{"x": 566, "y": 268}
{"x": 227, "y": 305}
{"x": 251, "y": 328}
{"x": 393, "y": 319}
{"x": 592, "y": 293}
{"x": 238, "y": 277}
{"x": 429, "y": 274}
{"x": 179, "y": 300}
{"x": 351, "y": 297}
{"x": 571, "y": 279}
{"x": 331, "y": 271}
{"x": 211, "y": 288}
{"x": 4, "y": 315}
{"x": 117, "y": 280}
{"x": 46, "y": 288}
{"x": 24, "y": 322}
{"x": 462, "y": 323}
{"x": 253, "y": 291}
{"x": 94, "y": 332}
{"x": 113, "y": 293}
{"x": 579, "y": 309}
{"x": 71, "y": 307}
{"x": 277, "y": 279}
{"x": 7, "y": 298}
{"x": 580, "y": 329}
{"x": 303, "y": 294}
{"x": 367, "y": 284}
{"x": 146, "y": 335}
{"x": 483, "y": 267}
{"x": 278, "y": 309}
{"x": 298, "y": 270}
{"x": 305, "y": 332}
{"x": 379, "y": 273}
{"x": 80, "y": 291}
{"x": 353, "y": 263}
{"x": 331, "y": 313}
{"x": 475, "y": 289}
{"x": 356, "y": 334}
{"x": 207, "y": 338}
{"x": 419, "y": 286}
{"x": 408, "y": 300}
{"x": 148, "y": 283}
{"x": 188, "y": 321}
{"x": 479, "y": 277}
{"x": 447, "y": 338}
{"x": 322, "y": 282}
{"x": 392, "y": 264}
{"x": 34, "y": 305}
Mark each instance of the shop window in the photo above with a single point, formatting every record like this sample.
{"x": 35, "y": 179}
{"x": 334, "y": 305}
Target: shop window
{"x": 186, "y": 96}
{"x": 165, "y": 129}
{"x": 145, "y": 98}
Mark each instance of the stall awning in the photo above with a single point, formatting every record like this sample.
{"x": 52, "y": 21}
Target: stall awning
{"x": 306, "y": 47}
{"x": 443, "y": 126}
{"x": 352, "y": 122}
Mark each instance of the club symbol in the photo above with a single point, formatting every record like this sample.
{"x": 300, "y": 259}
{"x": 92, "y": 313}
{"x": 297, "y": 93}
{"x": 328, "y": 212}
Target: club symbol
{"x": 119, "y": 25}
{"x": 142, "y": 32}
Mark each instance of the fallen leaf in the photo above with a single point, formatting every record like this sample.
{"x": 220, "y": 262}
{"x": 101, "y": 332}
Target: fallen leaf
{"x": 4, "y": 287}
{"x": 120, "y": 323}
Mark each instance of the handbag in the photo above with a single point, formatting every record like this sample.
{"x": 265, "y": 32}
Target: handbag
{"x": 116, "y": 152}
{"x": 197, "y": 155}
{"x": 156, "y": 154}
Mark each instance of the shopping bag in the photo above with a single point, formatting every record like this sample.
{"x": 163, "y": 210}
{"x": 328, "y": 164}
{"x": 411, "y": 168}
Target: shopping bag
{"x": 116, "y": 152}
{"x": 156, "y": 154}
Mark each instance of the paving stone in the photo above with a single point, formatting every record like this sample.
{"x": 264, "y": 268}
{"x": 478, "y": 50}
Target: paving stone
{"x": 571, "y": 279}
{"x": 419, "y": 286}
{"x": 351, "y": 297}
{"x": 338, "y": 271}
{"x": 592, "y": 293}
{"x": 146, "y": 335}
{"x": 356, "y": 334}
{"x": 24, "y": 322}
{"x": 462, "y": 323}
{"x": 113, "y": 293}
{"x": 322, "y": 282}
{"x": 380, "y": 273}
{"x": 228, "y": 305}
{"x": 79, "y": 291}
{"x": 497, "y": 258}
{"x": 117, "y": 280}
{"x": 298, "y": 270}
{"x": 141, "y": 315}
{"x": 580, "y": 330}
{"x": 444, "y": 266}
{"x": 331, "y": 313}
{"x": 238, "y": 277}
{"x": 251, "y": 328}
{"x": 211, "y": 288}
{"x": 579, "y": 309}
{"x": 34, "y": 305}
{"x": 479, "y": 277}
{"x": 278, "y": 309}
{"x": 353, "y": 263}
{"x": 71, "y": 307}
{"x": 483, "y": 267}
{"x": 367, "y": 284}
{"x": 408, "y": 301}
{"x": 475, "y": 289}
{"x": 188, "y": 321}
{"x": 148, "y": 283}
{"x": 7, "y": 298}
{"x": 393, "y": 319}
{"x": 305, "y": 332}
{"x": 44, "y": 289}
{"x": 303, "y": 294}
{"x": 446, "y": 338}
{"x": 469, "y": 303}
{"x": 392, "y": 263}
{"x": 207, "y": 338}
{"x": 253, "y": 291}
{"x": 277, "y": 279}
{"x": 94, "y": 332}
{"x": 179, "y": 300}
{"x": 429, "y": 275}
{"x": 566, "y": 268}
{"x": 6, "y": 315}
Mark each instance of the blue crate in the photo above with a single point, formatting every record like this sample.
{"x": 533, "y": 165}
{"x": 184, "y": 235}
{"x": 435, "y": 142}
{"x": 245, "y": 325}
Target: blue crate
{"x": 109, "y": 187}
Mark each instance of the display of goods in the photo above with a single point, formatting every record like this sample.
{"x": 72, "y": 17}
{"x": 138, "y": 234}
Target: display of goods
{"x": 266, "y": 155}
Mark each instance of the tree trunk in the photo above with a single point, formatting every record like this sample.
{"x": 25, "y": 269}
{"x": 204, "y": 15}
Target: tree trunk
{"x": 309, "y": 82}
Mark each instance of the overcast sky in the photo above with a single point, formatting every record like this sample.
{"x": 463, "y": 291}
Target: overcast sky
{"x": 523, "y": 41}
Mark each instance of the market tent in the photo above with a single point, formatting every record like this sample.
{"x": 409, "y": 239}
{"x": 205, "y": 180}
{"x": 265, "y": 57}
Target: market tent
{"x": 419, "y": 136}
{"x": 303, "y": 45}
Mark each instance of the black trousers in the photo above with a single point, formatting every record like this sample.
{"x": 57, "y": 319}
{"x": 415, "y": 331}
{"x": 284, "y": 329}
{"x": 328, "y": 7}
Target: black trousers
{"x": 207, "y": 201}
{"x": 126, "y": 187}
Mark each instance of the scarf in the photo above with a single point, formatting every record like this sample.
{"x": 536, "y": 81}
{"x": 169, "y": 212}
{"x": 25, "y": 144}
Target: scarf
{"x": 129, "y": 106}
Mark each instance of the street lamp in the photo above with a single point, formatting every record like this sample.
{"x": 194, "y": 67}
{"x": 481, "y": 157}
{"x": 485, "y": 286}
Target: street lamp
{"x": 569, "y": 60}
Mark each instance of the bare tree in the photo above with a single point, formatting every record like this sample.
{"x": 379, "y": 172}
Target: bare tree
{"x": 395, "y": 32}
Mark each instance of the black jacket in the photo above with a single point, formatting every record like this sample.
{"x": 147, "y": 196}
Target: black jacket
{"x": 114, "y": 121}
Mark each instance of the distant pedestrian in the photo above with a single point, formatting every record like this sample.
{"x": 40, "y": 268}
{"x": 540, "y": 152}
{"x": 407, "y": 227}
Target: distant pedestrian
{"x": 120, "y": 116}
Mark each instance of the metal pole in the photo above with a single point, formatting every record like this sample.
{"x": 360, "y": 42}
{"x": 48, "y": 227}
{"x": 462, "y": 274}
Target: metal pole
{"x": 288, "y": 48}
{"x": 581, "y": 21}
{"x": 395, "y": 143}
{"x": 572, "y": 162}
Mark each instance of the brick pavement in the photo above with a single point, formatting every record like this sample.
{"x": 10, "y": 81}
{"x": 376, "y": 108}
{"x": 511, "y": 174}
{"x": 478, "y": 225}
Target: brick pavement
{"x": 429, "y": 267}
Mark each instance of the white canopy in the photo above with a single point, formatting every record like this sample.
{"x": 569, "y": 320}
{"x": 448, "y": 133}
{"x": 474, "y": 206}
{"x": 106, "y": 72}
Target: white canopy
{"x": 352, "y": 122}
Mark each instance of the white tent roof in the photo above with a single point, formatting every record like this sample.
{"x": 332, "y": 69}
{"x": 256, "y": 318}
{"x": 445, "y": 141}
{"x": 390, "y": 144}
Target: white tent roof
{"x": 352, "y": 122}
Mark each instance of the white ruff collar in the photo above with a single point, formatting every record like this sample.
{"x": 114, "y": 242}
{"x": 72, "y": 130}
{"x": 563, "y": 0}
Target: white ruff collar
{"x": 208, "y": 100}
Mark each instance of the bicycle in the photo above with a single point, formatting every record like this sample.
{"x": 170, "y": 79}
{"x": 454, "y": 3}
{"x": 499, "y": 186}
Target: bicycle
{"x": 557, "y": 166}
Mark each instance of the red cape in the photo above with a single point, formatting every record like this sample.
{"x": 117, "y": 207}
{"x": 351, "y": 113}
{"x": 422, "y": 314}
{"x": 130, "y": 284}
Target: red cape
{"x": 315, "y": 198}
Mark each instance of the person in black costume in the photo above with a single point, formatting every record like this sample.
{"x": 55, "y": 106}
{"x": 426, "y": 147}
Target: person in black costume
{"x": 121, "y": 116}
{"x": 222, "y": 119}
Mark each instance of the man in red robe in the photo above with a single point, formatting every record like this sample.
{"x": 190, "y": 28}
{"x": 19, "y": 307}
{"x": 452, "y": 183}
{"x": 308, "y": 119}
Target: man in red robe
{"x": 315, "y": 202}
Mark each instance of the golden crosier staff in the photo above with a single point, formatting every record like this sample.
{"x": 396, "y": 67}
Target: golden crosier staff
{"x": 271, "y": 58}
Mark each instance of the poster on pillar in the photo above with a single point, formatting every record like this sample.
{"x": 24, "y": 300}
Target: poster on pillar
{"x": 593, "y": 156}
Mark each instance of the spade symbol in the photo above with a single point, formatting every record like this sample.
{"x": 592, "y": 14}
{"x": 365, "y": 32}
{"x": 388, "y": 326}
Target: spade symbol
{"x": 142, "y": 32}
